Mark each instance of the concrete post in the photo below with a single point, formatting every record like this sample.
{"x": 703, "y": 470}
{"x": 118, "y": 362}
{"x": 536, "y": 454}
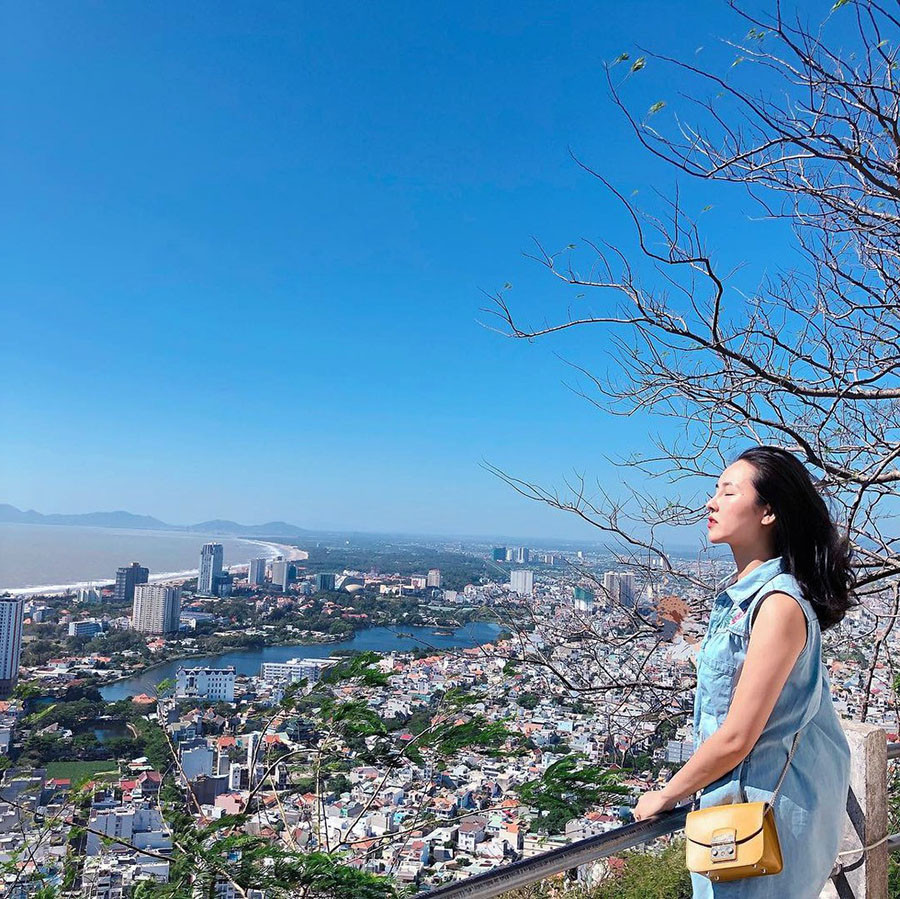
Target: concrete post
{"x": 863, "y": 875}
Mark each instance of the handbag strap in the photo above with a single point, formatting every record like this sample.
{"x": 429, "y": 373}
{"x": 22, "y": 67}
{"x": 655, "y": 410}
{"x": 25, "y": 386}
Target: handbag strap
{"x": 787, "y": 764}
{"x": 784, "y": 770}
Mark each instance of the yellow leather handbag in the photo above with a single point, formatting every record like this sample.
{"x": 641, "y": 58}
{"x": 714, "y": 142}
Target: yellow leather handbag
{"x": 730, "y": 842}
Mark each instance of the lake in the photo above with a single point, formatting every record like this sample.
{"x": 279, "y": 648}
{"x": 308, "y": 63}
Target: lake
{"x": 247, "y": 661}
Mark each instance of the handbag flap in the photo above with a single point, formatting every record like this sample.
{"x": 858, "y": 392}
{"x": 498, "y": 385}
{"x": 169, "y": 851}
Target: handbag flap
{"x": 744, "y": 818}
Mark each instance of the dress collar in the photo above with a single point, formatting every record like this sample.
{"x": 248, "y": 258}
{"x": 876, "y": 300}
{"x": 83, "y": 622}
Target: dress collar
{"x": 738, "y": 591}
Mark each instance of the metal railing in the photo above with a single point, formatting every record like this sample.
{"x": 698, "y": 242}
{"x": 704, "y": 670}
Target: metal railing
{"x": 582, "y": 852}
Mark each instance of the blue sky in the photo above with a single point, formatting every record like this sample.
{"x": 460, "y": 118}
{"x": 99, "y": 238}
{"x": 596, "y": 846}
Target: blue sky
{"x": 245, "y": 248}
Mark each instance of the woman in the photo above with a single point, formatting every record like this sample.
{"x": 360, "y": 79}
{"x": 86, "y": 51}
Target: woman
{"x": 760, "y": 677}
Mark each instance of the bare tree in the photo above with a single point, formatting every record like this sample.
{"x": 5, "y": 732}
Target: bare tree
{"x": 805, "y": 119}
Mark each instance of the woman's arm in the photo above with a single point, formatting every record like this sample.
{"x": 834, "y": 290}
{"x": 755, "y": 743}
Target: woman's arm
{"x": 776, "y": 641}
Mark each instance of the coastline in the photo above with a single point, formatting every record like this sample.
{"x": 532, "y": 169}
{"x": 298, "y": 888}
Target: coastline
{"x": 291, "y": 553}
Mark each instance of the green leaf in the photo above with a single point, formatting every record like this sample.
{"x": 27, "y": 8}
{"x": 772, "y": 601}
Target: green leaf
{"x": 569, "y": 788}
{"x": 839, "y": 3}
{"x": 620, "y": 58}
{"x": 656, "y": 107}
{"x": 739, "y": 60}
{"x": 639, "y": 64}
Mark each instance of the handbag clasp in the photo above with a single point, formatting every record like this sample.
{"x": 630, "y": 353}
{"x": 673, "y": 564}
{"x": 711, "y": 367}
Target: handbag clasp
{"x": 724, "y": 846}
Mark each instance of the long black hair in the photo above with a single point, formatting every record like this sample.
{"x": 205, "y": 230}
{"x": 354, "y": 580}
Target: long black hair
{"x": 806, "y": 536}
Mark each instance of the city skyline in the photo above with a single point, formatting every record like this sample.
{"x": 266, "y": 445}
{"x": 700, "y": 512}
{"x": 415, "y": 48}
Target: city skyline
{"x": 328, "y": 206}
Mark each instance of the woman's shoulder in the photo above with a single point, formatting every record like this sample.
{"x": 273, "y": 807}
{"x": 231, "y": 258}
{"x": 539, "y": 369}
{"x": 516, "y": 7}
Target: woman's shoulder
{"x": 785, "y": 584}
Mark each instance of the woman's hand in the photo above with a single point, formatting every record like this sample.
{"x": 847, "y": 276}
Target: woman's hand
{"x": 652, "y": 803}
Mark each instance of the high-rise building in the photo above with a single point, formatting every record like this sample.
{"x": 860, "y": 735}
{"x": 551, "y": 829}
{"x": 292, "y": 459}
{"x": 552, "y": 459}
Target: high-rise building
{"x": 520, "y": 555}
{"x": 12, "y": 609}
{"x": 498, "y": 553}
{"x": 256, "y": 576}
{"x": 619, "y": 588}
{"x": 521, "y": 581}
{"x": 611, "y": 587}
{"x": 434, "y": 578}
{"x": 583, "y": 599}
{"x": 324, "y": 581}
{"x": 282, "y": 573}
{"x": 157, "y": 609}
{"x": 127, "y": 579}
{"x": 211, "y": 557}
{"x": 626, "y": 589}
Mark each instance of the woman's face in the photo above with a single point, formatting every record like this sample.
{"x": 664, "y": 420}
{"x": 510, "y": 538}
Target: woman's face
{"x": 736, "y": 516}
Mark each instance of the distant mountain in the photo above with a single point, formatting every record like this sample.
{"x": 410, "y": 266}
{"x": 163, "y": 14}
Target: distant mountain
{"x": 91, "y": 519}
{"x": 10, "y": 514}
{"x": 272, "y": 529}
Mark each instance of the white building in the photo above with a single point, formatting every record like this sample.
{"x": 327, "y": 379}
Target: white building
{"x": 434, "y": 578}
{"x": 156, "y": 609}
{"x": 215, "y": 684}
{"x": 521, "y": 581}
{"x": 192, "y": 619}
{"x": 196, "y": 761}
{"x": 85, "y": 628}
{"x": 88, "y": 595}
{"x": 256, "y": 575}
{"x": 211, "y": 557}
{"x": 295, "y": 670}
{"x": 139, "y": 826}
{"x": 281, "y": 574}
{"x": 11, "y": 615}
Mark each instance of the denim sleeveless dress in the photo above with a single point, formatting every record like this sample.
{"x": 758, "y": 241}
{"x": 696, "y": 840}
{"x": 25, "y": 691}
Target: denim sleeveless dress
{"x": 809, "y": 810}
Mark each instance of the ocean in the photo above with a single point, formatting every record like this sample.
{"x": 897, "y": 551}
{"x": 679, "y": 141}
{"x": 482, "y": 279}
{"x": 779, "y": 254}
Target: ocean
{"x": 36, "y": 556}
